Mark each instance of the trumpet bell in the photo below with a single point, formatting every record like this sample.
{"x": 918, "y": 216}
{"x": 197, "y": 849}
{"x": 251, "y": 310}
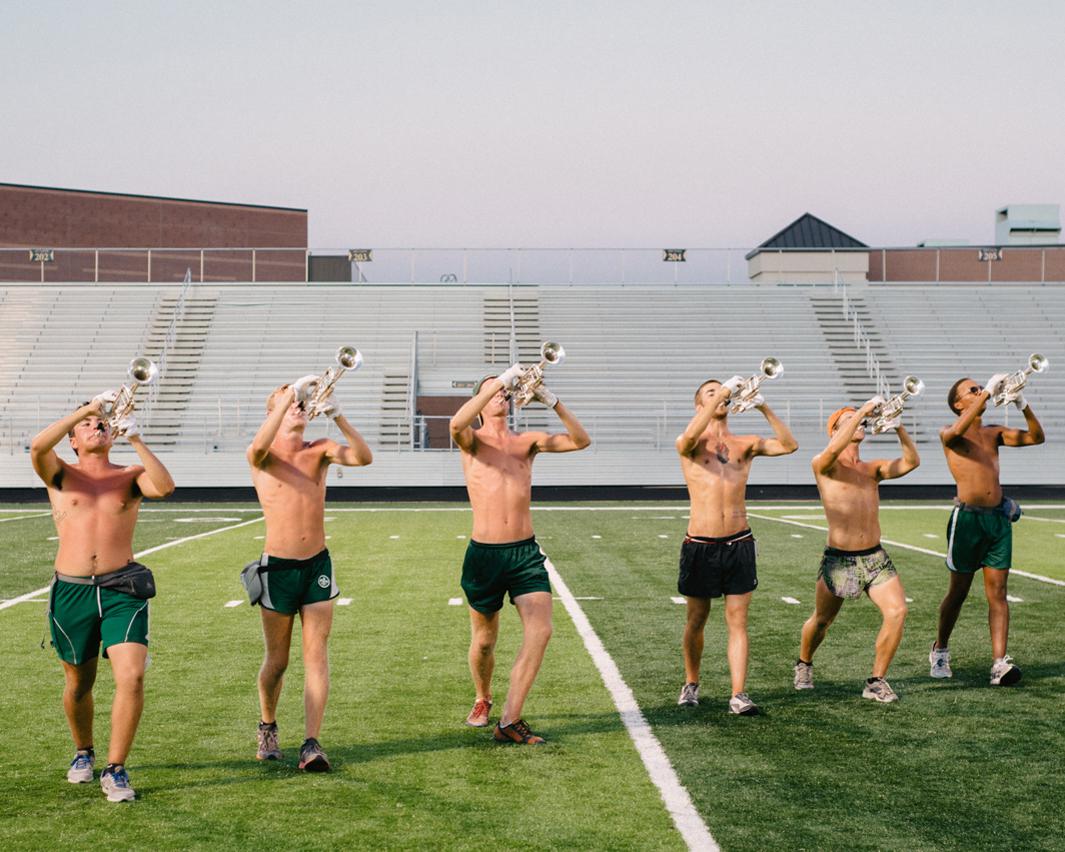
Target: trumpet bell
{"x": 349, "y": 357}
{"x": 1038, "y": 363}
{"x": 771, "y": 367}
{"x": 142, "y": 370}
{"x": 912, "y": 385}
{"x": 553, "y": 353}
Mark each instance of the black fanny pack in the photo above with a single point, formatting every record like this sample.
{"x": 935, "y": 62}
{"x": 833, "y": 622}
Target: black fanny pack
{"x": 1008, "y": 507}
{"x": 252, "y": 579}
{"x": 135, "y": 580}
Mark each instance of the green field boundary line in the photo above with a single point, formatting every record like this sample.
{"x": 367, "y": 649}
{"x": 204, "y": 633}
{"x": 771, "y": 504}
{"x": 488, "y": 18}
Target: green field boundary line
{"x": 675, "y": 796}
{"x": 30, "y": 595}
{"x": 1039, "y": 577}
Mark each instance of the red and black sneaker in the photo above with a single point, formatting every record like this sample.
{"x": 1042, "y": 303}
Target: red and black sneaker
{"x": 312, "y": 758}
{"x": 517, "y": 732}
{"x": 478, "y": 717}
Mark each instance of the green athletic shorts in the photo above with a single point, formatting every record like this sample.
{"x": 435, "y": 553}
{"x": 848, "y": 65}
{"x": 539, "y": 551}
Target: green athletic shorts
{"x": 290, "y": 584}
{"x": 978, "y": 538}
{"x": 848, "y": 573}
{"x": 491, "y": 571}
{"x": 81, "y": 617}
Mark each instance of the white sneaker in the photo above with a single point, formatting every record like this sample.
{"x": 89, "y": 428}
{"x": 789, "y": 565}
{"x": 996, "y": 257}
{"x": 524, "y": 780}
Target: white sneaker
{"x": 115, "y": 784}
{"x": 80, "y": 771}
{"x": 879, "y": 690}
{"x": 939, "y": 660}
{"x": 741, "y": 705}
{"x": 804, "y": 675}
{"x": 1004, "y": 672}
{"x": 689, "y": 695}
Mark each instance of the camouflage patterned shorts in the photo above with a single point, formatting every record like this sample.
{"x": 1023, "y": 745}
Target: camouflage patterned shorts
{"x": 848, "y": 573}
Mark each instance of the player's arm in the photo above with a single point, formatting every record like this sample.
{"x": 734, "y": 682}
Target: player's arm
{"x": 574, "y": 438}
{"x": 155, "y": 481}
{"x": 461, "y": 424}
{"x": 688, "y": 440}
{"x": 356, "y": 453}
{"x": 46, "y": 463}
{"x": 781, "y": 444}
{"x": 259, "y": 449}
{"x": 1024, "y": 437}
{"x": 909, "y": 460}
{"x": 950, "y": 434}
{"x": 823, "y": 461}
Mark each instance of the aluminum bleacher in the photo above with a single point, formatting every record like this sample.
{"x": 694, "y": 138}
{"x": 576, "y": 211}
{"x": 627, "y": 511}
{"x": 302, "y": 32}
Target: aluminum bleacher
{"x": 635, "y": 354}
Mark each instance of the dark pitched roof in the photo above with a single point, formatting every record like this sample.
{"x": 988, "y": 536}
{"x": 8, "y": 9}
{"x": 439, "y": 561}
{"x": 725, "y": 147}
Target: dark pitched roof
{"x": 809, "y": 232}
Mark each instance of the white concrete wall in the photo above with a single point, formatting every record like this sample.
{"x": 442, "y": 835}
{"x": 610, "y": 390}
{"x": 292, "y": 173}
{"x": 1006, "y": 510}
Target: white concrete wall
{"x": 814, "y": 267}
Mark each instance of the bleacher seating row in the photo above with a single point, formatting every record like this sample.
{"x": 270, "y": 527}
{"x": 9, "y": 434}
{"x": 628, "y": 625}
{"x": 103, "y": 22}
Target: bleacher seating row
{"x": 635, "y": 355}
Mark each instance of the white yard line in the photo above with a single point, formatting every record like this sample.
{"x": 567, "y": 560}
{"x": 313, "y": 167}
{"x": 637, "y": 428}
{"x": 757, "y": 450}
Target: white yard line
{"x": 678, "y": 803}
{"x": 25, "y": 517}
{"x": 905, "y": 546}
{"x": 150, "y": 550}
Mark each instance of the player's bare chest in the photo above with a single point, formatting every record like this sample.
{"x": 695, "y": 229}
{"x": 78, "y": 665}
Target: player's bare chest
{"x": 722, "y": 456}
{"x": 111, "y": 496}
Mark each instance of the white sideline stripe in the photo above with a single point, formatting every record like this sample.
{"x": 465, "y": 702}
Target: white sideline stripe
{"x": 905, "y": 546}
{"x": 1014, "y": 599}
{"x": 909, "y": 600}
{"x": 343, "y": 601}
{"x": 792, "y": 601}
{"x": 231, "y": 604}
{"x": 150, "y": 550}
{"x": 454, "y": 601}
{"x": 25, "y": 517}
{"x": 678, "y": 600}
{"x": 799, "y": 504}
{"x": 1043, "y": 520}
{"x": 678, "y": 803}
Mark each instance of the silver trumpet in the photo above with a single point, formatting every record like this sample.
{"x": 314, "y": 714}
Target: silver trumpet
{"x": 532, "y": 377}
{"x": 743, "y": 399}
{"x": 1016, "y": 381}
{"x": 881, "y": 417}
{"x": 141, "y": 371}
{"x": 347, "y": 358}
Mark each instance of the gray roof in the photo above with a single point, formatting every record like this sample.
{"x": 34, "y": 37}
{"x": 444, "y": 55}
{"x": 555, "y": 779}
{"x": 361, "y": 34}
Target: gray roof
{"x": 809, "y": 232}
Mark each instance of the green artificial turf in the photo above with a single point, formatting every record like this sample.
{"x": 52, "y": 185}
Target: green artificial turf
{"x": 954, "y": 765}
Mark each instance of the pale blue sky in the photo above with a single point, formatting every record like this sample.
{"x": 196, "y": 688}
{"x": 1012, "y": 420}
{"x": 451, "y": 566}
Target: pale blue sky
{"x": 548, "y": 123}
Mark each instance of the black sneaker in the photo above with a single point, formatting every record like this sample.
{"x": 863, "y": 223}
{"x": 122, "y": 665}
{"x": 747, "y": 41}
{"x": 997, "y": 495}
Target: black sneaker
{"x": 312, "y": 758}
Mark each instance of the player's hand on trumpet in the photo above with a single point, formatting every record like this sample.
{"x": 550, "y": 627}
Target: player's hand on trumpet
{"x": 545, "y": 396}
{"x": 734, "y": 384}
{"x": 331, "y": 408}
{"x": 127, "y": 428}
{"x": 304, "y": 387}
{"x": 104, "y": 402}
{"x": 509, "y": 377}
{"x": 995, "y": 383}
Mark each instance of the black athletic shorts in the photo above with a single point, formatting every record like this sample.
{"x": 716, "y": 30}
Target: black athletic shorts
{"x": 712, "y": 567}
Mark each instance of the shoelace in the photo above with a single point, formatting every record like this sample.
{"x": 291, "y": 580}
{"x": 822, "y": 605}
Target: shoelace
{"x": 522, "y": 728}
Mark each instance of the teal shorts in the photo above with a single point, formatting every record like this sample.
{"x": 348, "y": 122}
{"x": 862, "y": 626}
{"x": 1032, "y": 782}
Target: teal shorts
{"x": 978, "y": 538}
{"x": 492, "y": 571}
{"x": 291, "y": 584}
{"x": 82, "y": 617}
